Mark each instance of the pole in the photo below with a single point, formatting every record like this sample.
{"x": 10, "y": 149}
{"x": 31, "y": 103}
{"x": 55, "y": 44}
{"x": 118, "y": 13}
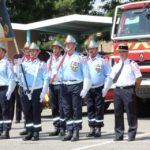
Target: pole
{"x": 16, "y": 46}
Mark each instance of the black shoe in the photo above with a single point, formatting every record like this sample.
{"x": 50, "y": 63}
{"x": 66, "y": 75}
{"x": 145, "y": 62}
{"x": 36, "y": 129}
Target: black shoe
{"x": 24, "y": 132}
{"x": 97, "y": 132}
{"x": 54, "y": 133}
{"x": 131, "y": 139}
{"x": 35, "y": 136}
{"x": 62, "y": 132}
{"x": 118, "y": 139}
{"x": 28, "y": 136}
{"x": 91, "y": 133}
{"x": 5, "y": 135}
{"x": 75, "y": 136}
{"x": 68, "y": 136}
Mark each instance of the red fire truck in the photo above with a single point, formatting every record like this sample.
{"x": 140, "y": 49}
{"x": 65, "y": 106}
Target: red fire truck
{"x": 131, "y": 25}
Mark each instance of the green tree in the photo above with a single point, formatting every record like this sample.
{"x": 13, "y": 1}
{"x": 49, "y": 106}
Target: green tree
{"x": 25, "y": 11}
{"x": 66, "y": 7}
{"x": 109, "y": 6}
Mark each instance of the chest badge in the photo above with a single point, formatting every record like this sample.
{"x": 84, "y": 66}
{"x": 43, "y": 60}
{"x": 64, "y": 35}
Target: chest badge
{"x": 74, "y": 66}
{"x": 98, "y": 67}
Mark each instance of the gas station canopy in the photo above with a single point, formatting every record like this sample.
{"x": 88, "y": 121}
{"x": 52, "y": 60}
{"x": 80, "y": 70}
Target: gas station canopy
{"x": 73, "y": 24}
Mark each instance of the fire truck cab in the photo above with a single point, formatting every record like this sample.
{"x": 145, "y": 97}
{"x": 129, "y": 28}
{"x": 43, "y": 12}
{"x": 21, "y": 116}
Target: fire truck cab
{"x": 131, "y": 25}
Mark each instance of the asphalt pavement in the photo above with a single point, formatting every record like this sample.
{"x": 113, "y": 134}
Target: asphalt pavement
{"x": 105, "y": 142}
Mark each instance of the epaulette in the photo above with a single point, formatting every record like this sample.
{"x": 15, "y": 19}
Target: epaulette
{"x": 132, "y": 61}
{"x": 134, "y": 64}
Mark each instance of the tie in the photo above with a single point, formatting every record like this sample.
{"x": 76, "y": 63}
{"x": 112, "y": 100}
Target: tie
{"x": 118, "y": 73}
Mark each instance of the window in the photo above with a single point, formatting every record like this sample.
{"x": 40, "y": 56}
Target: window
{"x": 134, "y": 22}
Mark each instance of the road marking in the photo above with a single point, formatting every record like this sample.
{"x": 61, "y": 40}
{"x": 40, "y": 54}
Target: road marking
{"x": 108, "y": 142}
{"x": 94, "y": 145}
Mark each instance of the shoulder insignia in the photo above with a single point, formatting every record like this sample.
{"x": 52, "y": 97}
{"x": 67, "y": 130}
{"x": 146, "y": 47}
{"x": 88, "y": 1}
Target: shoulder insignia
{"x": 132, "y": 61}
{"x": 134, "y": 64}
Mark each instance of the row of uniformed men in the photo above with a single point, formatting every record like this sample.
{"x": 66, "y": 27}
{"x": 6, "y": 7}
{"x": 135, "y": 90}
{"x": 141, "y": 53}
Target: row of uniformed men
{"x": 71, "y": 78}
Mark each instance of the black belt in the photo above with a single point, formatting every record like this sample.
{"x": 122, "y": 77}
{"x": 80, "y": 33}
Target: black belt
{"x": 3, "y": 87}
{"x": 70, "y": 80}
{"x": 29, "y": 91}
{"x": 125, "y": 87}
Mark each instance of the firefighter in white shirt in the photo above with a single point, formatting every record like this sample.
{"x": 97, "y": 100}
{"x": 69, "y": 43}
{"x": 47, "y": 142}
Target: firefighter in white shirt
{"x": 55, "y": 89}
{"x": 76, "y": 83}
{"x": 7, "y": 86}
{"x": 127, "y": 77}
{"x": 99, "y": 72}
{"x": 34, "y": 84}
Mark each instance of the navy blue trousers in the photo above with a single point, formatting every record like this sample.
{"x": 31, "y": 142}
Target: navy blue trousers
{"x": 56, "y": 106}
{"x": 5, "y": 112}
{"x": 32, "y": 109}
{"x": 95, "y": 107}
{"x": 72, "y": 106}
{"x": 125, "y": 99}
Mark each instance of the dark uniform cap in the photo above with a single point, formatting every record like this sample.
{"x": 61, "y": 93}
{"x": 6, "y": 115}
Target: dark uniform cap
{"x": 15, "y": 56}
{"x": 123, "y": 48}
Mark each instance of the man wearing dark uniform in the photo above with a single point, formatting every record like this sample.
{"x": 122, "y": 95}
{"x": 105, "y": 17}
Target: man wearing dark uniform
{"x": 126, "y": 77}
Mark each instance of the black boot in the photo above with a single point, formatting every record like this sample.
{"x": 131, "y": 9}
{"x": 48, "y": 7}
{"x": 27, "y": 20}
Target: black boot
{"x": 35, "y": 136}
{"x": 62, "y": 132}
{"x": 24, "y": 132}
{"x": 1, "y": 131}
{"x": 28, "y": 136}
{"x": 75, "y": 136}
{"x": 68, "y": 136}
{"x": 5, "y": 135}
{"x": 97, "y": 132}
{"x": 54, "y": 133}
{"x": 91, "y": 133}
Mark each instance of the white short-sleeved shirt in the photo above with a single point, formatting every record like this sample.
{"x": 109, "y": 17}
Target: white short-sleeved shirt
{"x": 128, "y": 74}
